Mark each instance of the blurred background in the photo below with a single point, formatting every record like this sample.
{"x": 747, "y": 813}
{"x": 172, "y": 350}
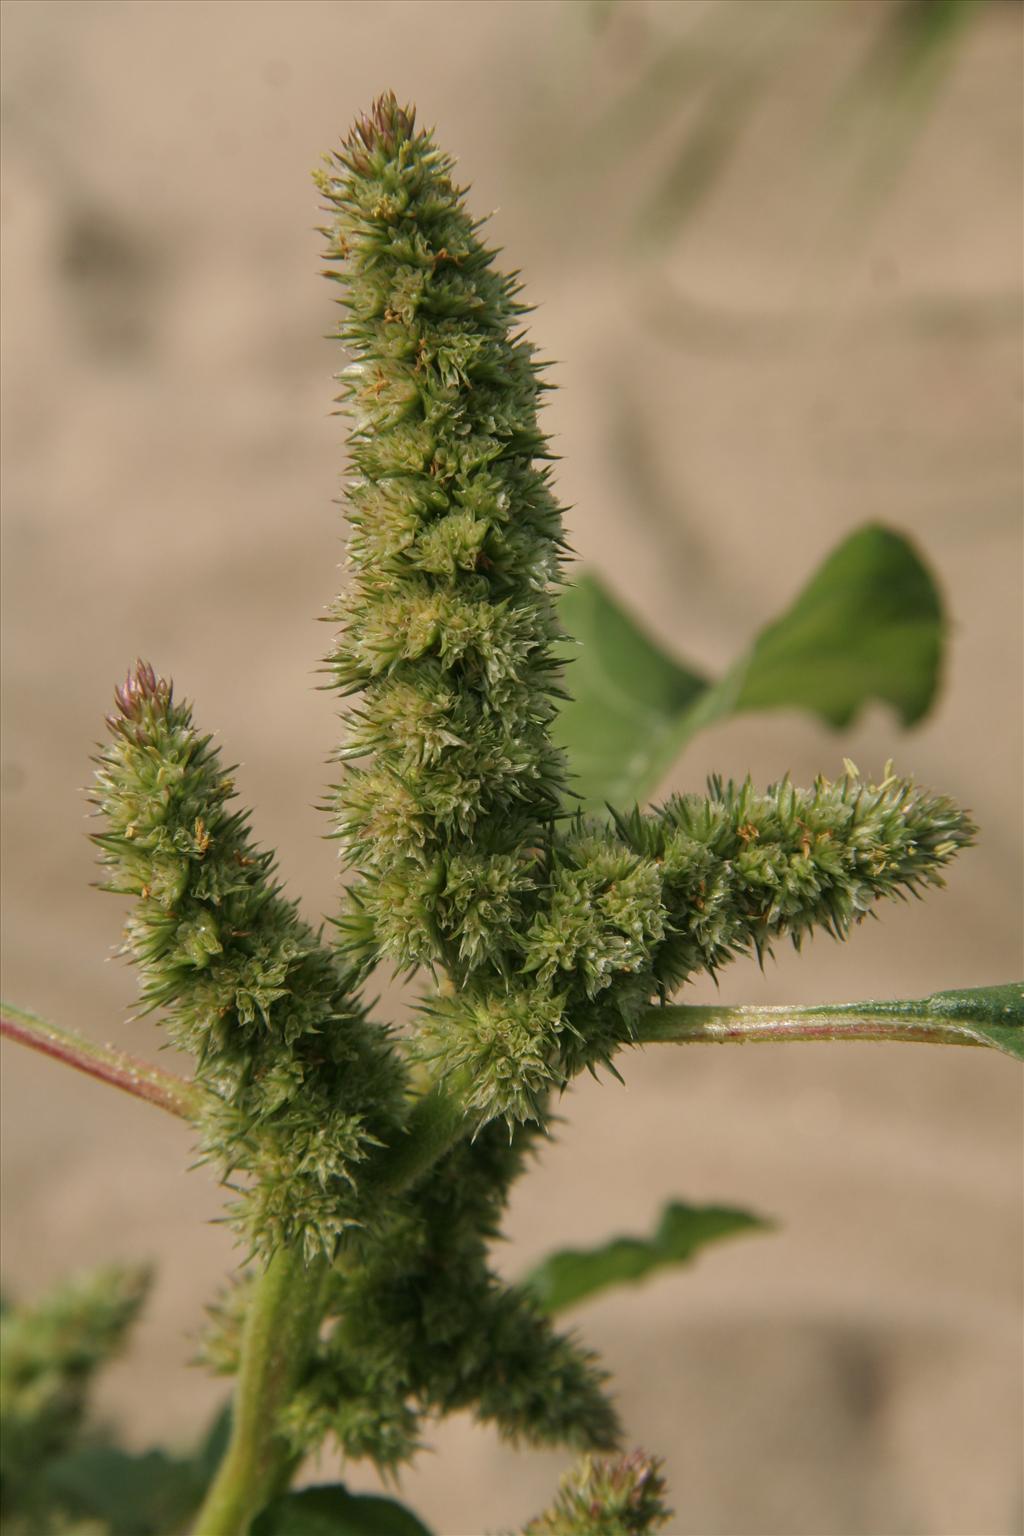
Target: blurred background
{"x": 775, "y": 250}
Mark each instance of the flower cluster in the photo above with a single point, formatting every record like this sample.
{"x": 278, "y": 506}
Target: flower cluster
{"x": 301, "y": 1085}
{"x": 547, "y": 935}
{"x": 628, "y": 912}
{"x": 423, "y": 1326}
{"x": 49, "y": 1354}
{"x": 449, "y": 624}
{"x": 623, "y": 1497}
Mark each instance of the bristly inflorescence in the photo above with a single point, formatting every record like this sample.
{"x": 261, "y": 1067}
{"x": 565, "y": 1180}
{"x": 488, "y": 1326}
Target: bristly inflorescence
{"x": 605, "y": 1497}
{"x": 550, "y": 934}
{"x": 449, "y": 626}
{"x": 421, "y": 1326}
{"x": 49, "y": 1354}
{"x": 301, "y": 1086}
{"x": 630, "y": 912}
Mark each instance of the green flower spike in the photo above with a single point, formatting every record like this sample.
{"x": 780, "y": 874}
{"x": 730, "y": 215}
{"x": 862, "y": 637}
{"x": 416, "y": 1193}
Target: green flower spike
{"x": 624, "y": 1497}
{"x": 548, "y": 935}
{"x": 49, "y": 1354}
{"x": 449, "y": 625}
{"x": 630, "y": 912}
{"x": 301, "y": 1085}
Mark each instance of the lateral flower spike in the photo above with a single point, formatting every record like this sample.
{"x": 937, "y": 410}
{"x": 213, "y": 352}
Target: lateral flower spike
{"x": 624, "y": 1496}
{"x": 449, "y": 625}
{"x": 631, "y": 911}
{"x": 50, "y": 1353}
{"x": 302, "y": 1086}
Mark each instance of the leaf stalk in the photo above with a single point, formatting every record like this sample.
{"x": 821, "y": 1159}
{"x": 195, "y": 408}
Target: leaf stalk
{"x": 983, "y": 1016}
{"x": 164, "y": 1089}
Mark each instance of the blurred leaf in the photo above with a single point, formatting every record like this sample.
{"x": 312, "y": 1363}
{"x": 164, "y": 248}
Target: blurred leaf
{"x": 211, "y": 1449}
{"x": 916, "y": 33}
{"x": 675, "y": 71}
{"x": 869, "y": 625}
{"x": 568, "y": 1277}
{"x": 994, "y": 1015}
{"x": 136, "y": 1495}
{"x": 627, "y": 698}
{"x": 146, "y": 1495}
{"x": 332, "y": 1511}
{"x": 888, "y": 99}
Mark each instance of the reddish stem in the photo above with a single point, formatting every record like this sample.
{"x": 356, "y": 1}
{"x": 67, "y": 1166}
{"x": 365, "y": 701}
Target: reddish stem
{"x": 165, "y": 1089}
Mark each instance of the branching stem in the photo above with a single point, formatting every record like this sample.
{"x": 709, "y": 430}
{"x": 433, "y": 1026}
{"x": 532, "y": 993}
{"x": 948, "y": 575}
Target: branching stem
{"x": 154, "y": 1084}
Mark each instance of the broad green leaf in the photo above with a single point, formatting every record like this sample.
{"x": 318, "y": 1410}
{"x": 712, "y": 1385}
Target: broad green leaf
{"x": 145, "y": 1495}
{"x": 627, "y": 699}
{"x": 148, "y": 1494}
{"x": 568, "y": 1277}
{"x": 332, "y": 1511}
{"x": 868, "y": 625}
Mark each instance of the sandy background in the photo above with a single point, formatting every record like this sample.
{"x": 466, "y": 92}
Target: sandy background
{"x": 831, "y": 337}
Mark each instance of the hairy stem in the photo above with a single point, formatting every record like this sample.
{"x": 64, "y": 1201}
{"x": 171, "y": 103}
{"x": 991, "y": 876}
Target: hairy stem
{"x": 738, "y": 1026}
{"x": 156, "y": 1086}
{"x": 436, "y": 1122}
{"x": 972, "y": 1017}
{"x": 280, "y": 1331}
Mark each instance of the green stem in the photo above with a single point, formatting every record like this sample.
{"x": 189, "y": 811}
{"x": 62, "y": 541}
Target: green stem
{"x": 436, "y": 1122}
{"x": 280, "y": 1331}
{"x": 983, "y": 1016}
{"x": 128, "y": 1073}
{"x": 738, "y": 1026}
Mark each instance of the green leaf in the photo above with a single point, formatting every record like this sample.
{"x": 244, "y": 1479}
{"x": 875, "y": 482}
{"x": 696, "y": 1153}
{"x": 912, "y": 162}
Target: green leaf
{"x": 628, "y": 698}
{"x": 145, "y": 1495}
{"x": 136, "y": 1495}
{"x": 212, "y": 1447}
{"x": 869, "y": 625}
{"x": 568, "y": 1277}
{"x": 332, "y": 1511}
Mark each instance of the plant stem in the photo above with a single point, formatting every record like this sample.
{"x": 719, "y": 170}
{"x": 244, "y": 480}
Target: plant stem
{"x": 738, "y": 1026}
{"x": 281, "y": 1327}
{"x": 436, "y": 1122}
{"x": 156, "y": 1086}
{"x": 979, "y": 1017}
{"x": 280, "y": 1330}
